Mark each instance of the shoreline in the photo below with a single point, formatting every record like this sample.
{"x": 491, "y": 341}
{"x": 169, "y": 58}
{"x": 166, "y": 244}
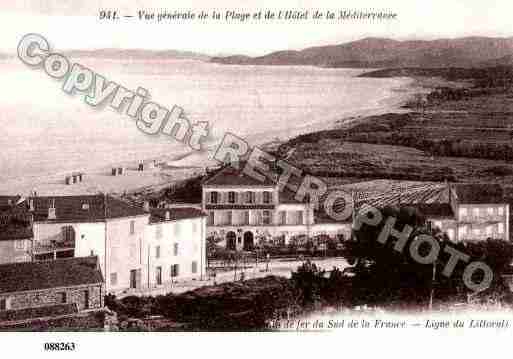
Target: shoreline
{"x": 172, "y": 169}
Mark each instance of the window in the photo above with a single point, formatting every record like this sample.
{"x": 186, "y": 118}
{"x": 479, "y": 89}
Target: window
{"x": 463, "y": 230}
{"x": 214, "y": 197}
{"x": 19, "y": 245}
{"x": 86, "y": 299}
{"x": 158, "y": 234}
{"x": 62, "y": 297}
{"x": 3, "y": 304}
{"x": 157, "y": 252}
{"x": 68, "y": 233}
{"x": 175, "y": 270}
{"x": 282, "y": 217}
{"x": 501, "y": 211}
{"x": 476, "y": 212}
{"x": 266, "y": 217}
{"x": 501, "y": 228}
{"x": 158, "y": 275}
{"x": 489, "y": 230}
{"x": 245, "y": 217}
{"x": 194, "y": 267}
{"x": 211, "y": 218}
{"x": 267, "y": 196}
{"x": 113, "y": 279}
{"x": 450, "y": 233}
{"x": 463, "y": 212}
{"x": 232, "y": 197}
{"x": 175, "y": 249}
{"x": 132, "y": 227}
{"x": 490, "y": 211}
{"x": 300, "y": 219}
{"x": 250, "y": 197}
{"x": 476, "y": 231}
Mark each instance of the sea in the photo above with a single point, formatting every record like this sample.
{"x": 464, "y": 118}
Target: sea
{"x": 47, "y": 132}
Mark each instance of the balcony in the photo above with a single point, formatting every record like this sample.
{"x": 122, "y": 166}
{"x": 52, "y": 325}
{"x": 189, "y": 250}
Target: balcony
{"x": 54, "y": 246}
{"x": 482, "y": 219}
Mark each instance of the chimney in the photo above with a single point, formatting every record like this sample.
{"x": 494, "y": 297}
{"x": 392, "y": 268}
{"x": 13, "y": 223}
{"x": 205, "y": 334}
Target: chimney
{"x": 146, "y": 206}
{"x": 51, "y": 210}
{"x": 168, "y": 215}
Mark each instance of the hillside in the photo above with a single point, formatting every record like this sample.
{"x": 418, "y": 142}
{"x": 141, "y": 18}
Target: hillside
{"x": 136, "y": 54}
{"x": 461, "y": 133}
{"x": 378, "y": 53}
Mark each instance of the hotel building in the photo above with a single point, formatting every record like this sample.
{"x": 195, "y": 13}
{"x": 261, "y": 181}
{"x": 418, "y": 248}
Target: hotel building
{"x": 243, "y": 212}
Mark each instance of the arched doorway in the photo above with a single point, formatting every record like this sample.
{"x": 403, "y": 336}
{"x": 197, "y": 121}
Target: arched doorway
{"x": 231, "y": 239}
{"x": 248, "y": 241}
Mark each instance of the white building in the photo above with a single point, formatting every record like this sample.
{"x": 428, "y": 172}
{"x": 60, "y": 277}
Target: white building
{"x": 124, "y": 237}
{"x": 243, "y": 211}
{"x": 176, "y": 247}
{"x": 481, "y": 211}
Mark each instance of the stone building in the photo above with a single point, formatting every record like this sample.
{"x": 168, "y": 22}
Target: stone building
{"x": 76, "y": 281}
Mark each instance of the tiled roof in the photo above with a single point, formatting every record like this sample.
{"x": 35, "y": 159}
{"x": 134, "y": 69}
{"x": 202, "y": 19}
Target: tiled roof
{"x": 90, "y": 208}
{"x": 15, "y": 231}
{"x": 476, "y": 193}
{"x": 15, "y": 223}
{"x": 399, "y": 196}
{"x": 70, "y": 272}
{"x": 288, "y": 197}
{"x": 230, "y": 176}
{"x": 433, "y": 210}
{"x": 7, "y": 202}
{"x": 177, "y": 213}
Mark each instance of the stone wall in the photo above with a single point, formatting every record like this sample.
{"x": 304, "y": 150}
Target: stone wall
{"x": 52, "y": 296}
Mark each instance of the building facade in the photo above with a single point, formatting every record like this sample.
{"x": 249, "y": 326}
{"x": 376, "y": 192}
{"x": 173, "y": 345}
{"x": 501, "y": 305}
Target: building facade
{"x": 244, "y": 212}
{"x": 76, "y": 281}
{"x": 123, "y": 237}
{"x": 176, "y": 246}
{"x": 480, "y": 212}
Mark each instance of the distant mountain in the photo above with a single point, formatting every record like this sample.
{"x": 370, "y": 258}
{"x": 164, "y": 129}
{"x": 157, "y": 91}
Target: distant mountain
{"x": 380, "y": 52}
{"x": 136, "y": 54}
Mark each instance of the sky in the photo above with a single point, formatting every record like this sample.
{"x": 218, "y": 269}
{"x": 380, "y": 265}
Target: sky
{"x": 75, "y": 24}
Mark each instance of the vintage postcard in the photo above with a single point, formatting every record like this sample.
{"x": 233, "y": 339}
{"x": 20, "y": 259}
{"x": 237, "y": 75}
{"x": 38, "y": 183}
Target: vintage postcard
{"x": 326, "y": 172}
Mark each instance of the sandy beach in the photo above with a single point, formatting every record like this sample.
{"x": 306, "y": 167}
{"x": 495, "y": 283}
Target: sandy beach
{"x": 182, "y": 164}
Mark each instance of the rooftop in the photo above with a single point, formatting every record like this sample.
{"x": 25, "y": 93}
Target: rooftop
{"x": 69, "y": 272}
{"x": 7, "y": 202}
{"x": 175, "y": 214}
{"x": 15, "y": 224}
{"x": 479, "y": 193}
{"x": 231, "y": 176}
{"x": 89, "y": 208}
{"x": 433, "y": 210}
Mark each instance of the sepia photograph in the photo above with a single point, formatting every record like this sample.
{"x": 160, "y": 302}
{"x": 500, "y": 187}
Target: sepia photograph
{"x": 343, "y": 169}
